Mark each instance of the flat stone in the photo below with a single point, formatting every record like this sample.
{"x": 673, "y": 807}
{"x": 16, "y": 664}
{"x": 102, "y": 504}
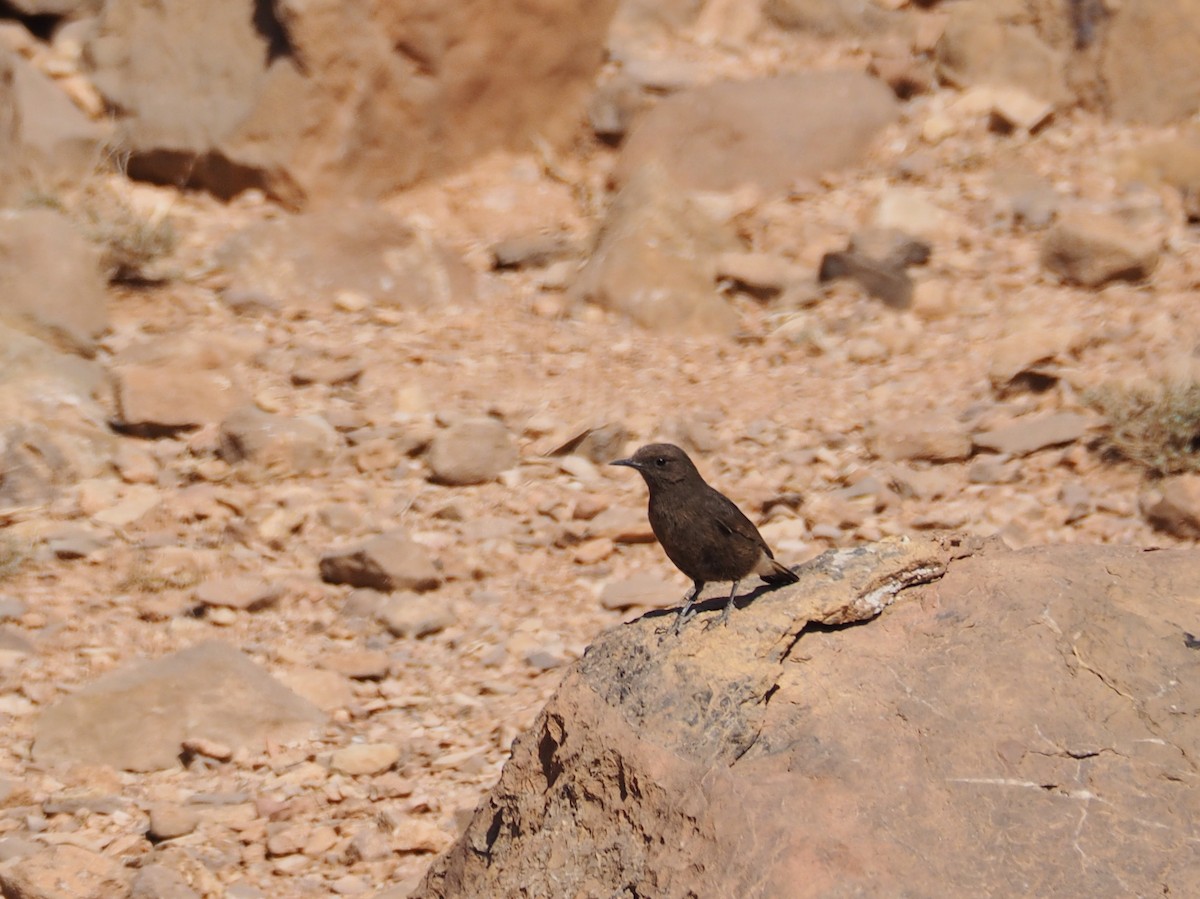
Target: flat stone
{"x": 762, "y": 275}
{"x": 357, "y": 664}
{"x": 641, "y": 590}
{"x": 1035, "y": 432}
{"x": 767, "y": 131}
{"x": 65, "y": 872}
{"x": 415, "y": 615}
{"x": 137, "y": 500}
{"x": 364, "y": 759}
{"x": 75, "y": 542}
{"x": 621, "y": 524}
{"x": 249, "y": 594}
{"x": 161, "y": 882}
{"x": 532, "y": 251}
{"x": 932, "y": 437}
{"x": 138, "y": 717}
{"x": 170, "y": 821}
{"x": 154, "y": 400}
{"x": 387, "y": 562}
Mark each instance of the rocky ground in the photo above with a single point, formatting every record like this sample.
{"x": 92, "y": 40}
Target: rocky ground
{"x": 373, "y": 501}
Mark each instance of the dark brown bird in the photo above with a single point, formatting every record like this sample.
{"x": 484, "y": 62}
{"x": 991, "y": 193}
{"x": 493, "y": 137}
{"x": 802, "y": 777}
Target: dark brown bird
{"x": 701, "y": 530}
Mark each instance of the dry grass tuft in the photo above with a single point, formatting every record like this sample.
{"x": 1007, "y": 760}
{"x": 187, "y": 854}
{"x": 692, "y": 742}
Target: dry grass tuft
{"x": 1154, "y": 425}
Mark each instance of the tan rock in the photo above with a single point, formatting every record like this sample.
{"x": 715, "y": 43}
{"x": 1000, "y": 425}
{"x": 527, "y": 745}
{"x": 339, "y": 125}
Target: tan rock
{"x": 65, "y": 872}
{"x": 170, "y": 821}
{"x": 767, "y": 132}
{"x": 276, "y": 443}
{"x": 137, "y": 717}
{"x": 324, "y": 100}
{"x": 357, "y": 664}
{"x": 995, "y": 43}
{"x": 933, "y": 437}
{"x": 1034, "y": 432}
{"x": 1177, "y": 509}
{"x": 416, "y": 615}
{"x": 161, "y": 399}
{"x": 1035, "y": 681}
{"x": 364, "y": 759}
{"x": 1158, "y": 87}
{"x": 1092, "y": 249}
{"x": 320, "y": 259}
{"x": 50, "y": 281}
{"x": 829, "y": 18}
{"x": 640, "y": 590}
{"x": 59, "y": 143}
{"x": 387, "y": 562}
{"x": 655, "y": 259}
{"x": 249, "y": 594}
{"x": 161, "y": 882}
{"x": 471, "y": 452}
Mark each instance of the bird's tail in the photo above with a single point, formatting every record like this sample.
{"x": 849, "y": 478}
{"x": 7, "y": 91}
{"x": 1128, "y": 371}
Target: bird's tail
{"x": 777, "y": 573}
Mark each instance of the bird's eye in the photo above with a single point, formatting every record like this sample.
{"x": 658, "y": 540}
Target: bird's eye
{"x": 661, "y": 461}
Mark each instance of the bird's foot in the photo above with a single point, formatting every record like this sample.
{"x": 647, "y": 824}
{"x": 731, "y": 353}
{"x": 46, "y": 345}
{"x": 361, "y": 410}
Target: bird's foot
{"x": 683, "y": 618}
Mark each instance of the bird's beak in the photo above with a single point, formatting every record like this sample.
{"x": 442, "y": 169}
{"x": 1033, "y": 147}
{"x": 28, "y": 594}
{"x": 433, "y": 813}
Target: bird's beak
{"x": 629, "y": 463}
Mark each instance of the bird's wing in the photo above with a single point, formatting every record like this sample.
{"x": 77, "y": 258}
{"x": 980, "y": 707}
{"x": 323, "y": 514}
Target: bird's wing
{"x": 730, "y": 520}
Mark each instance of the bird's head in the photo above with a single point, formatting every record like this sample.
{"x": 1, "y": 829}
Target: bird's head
{"x": 661, "y": 464}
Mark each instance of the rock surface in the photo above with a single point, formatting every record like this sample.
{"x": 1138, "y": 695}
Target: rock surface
{"x": 342, "y": 253}
{"x": 138, "y": 718}
{"x": 50, "y": 281}
{"x": 317, "y": 100}
{"x": 655, "y": 259}
{"x": 386, "y": 562}
{"x": 993, "y": 695}
{"x": 767, "y": 132}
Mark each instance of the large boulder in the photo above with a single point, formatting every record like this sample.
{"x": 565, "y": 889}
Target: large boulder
{"x": 768, "y": 132}
{"x": 318, "y": 99}
{"x": 1009, "y": 723}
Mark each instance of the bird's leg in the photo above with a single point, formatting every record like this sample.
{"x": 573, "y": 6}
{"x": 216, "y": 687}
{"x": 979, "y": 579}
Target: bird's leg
{"x": 687, "y": 606}
{"x": 729, "y": 604}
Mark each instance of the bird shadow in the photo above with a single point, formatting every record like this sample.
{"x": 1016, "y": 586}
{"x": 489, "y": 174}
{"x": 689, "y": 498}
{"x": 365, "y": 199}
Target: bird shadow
{"x": 714, "y": 603}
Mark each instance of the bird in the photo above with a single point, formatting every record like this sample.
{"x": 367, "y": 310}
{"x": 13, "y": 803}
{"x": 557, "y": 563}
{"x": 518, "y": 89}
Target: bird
{"x": 700, "y": 529}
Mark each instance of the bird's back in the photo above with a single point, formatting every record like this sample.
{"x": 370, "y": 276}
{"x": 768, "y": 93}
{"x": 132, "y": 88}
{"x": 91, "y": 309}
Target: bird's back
{"x": 704, "y": 533}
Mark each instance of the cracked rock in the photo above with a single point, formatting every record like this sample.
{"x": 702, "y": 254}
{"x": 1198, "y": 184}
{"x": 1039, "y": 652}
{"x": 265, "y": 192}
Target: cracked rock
{"x": 1051, "y": 683}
